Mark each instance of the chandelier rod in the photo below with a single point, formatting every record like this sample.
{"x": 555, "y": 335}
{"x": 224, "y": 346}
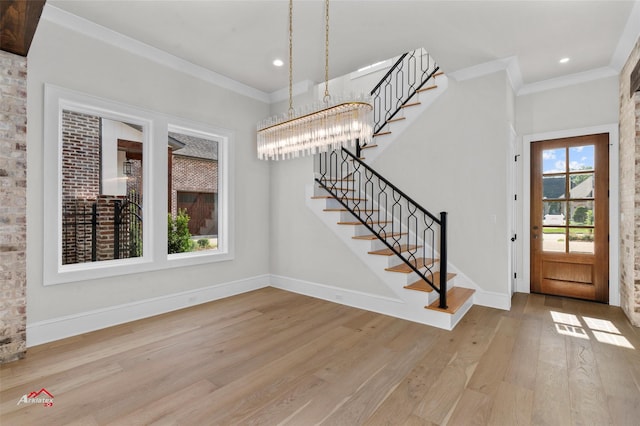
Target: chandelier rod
{"x": 326, "y": 52}
{"x": 291, "y": 112}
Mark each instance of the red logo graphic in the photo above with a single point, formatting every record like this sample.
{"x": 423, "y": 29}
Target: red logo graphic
{"x": 43, "y": 396}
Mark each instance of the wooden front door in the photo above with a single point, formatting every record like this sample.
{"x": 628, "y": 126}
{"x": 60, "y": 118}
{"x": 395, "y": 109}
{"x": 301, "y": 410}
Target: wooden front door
{"x": 570, "y": 217}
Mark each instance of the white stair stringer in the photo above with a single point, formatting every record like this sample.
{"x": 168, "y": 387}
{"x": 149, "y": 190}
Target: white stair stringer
{"x": 414, "y": 301}
{"x": 410, "y": 114}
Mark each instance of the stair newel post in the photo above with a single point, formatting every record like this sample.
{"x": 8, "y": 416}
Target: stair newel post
{"x": 443, "y": 260}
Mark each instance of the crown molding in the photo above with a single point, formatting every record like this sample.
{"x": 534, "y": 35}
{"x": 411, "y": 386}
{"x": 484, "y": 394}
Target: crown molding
{"x": 567, "y": 80}
{"x": 105, "y": 35}
{"x": 628, "y": 40}
{"x": 299, "y": 88}
{"x": 486, "y": 68}
{"x": 511, "y": 66}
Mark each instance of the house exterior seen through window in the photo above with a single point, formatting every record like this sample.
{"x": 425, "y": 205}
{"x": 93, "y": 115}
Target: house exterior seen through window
{"x": 102, "y": 199}
{"x": 129, "y": 190}
{"x": 193, "y": 193}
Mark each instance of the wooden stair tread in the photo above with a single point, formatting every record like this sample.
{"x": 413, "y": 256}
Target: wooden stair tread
{"x": 320, "y": 197}
{"x": 346, "y": 210}
{"x": 357, "y": 222}
{"x": 425, "y": 89}
{"x": 374, "y": 237}
{"x": 369, "y": 146}
{"x": 456, "y": 297}
{"x": 393, "y": 120}
{"x": 438, "y": 73}
{"x": 389, "y": 252}
{"x": 403, "y": 268}
{"x": 381, "y": 134}
{"x": 422, "y": 285}
{"x": 411, "y": 104}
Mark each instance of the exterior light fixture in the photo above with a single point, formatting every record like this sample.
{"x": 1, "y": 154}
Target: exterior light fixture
{"x": 322, "y": 127}
{"x": 127, "y": 167}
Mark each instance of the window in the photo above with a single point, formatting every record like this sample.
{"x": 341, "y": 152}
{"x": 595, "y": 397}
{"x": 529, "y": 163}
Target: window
{"x": 101, "y": 187}
{"x": 106, "y": 201}
{"x": 193, "y": 191}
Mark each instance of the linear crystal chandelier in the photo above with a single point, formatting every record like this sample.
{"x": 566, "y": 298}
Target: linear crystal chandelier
{"x": 324, "y": 126}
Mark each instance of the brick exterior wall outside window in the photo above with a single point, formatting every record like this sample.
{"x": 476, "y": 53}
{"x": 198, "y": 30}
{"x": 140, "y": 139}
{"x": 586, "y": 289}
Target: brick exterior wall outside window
{"x": 630, "y": 192}
{"x": 13, "y": 183}
{"x": 195, "y": 175}
{"x": 192, "y": 174}
{"x": 80, "y": 156}
{"x": 80, "y": 183}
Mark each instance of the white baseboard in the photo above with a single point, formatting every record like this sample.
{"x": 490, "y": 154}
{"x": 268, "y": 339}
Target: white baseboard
{"x": 384, "y": 305}
{"x": 492, "y": 299}
{"x": 84, "y": 322}
{"x": 391, "y": 306}
{"x": 357, "y": 299}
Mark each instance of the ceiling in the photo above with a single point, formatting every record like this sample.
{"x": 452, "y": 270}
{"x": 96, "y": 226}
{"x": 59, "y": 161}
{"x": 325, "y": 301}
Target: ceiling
{"x": 240, "y": 39}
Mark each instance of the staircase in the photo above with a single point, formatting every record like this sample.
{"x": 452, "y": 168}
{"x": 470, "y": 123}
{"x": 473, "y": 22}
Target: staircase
{"x": 400, "y": 241}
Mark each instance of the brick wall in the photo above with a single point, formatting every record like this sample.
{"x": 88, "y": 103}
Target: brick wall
{"x": 13, "y": 175}
{"x": 104, "y": 237}
{"x": 630, "y": 192}
{"x": 190, "y": 174}
{"x": 80, "y": 183}
{"x": 80, "y": 156}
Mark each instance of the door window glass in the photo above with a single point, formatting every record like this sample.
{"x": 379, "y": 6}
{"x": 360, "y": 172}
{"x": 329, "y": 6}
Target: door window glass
{"x": 581, "y": 158}
{"x": 581, "y": 240}
{"x": 554, "y": 160}
{"x": 554, "y": 186}
{"x": 568, "y": 199}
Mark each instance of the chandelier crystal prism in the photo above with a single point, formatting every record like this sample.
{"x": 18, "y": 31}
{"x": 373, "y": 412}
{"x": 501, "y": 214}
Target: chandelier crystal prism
{"x": 322, "y": 127}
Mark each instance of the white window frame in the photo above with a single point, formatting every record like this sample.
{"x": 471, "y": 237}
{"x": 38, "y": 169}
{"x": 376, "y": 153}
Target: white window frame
{"x": 155, "y": 135}
{"x": 222, "y": 137}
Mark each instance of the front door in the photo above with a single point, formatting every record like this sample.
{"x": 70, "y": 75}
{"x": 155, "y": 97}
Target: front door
{"x": 569, "y": 217}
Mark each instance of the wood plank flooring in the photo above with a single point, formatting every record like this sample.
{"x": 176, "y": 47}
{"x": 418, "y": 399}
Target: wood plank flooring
{"x": 270, "y": 357}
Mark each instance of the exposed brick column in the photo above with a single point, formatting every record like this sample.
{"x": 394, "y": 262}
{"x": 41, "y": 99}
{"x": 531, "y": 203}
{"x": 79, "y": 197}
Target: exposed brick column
{"x": 13, "y": 183}
{"x": 630, "y": 192}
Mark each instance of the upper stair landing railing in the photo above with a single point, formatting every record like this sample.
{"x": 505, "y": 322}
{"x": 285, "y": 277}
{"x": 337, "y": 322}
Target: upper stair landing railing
{"x": 399, "y": 85}
{"x": 410, "y": 231}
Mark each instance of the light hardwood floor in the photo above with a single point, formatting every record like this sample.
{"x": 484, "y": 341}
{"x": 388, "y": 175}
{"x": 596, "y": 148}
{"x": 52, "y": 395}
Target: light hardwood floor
{"x": 271, "y": 357}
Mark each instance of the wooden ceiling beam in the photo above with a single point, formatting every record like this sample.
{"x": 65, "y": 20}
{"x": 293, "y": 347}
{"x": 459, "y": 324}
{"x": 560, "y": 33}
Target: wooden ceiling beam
{"x": 18, "y": 22}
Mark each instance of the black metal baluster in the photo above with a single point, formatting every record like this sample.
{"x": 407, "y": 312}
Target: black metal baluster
{"x": 443, "y": 260}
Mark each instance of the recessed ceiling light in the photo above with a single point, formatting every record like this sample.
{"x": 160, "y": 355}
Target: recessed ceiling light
{"x": 278, "y": 62}
{"x": 564, "y": 60}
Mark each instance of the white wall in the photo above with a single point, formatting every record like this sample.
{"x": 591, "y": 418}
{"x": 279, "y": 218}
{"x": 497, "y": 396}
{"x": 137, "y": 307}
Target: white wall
{"x": 452, "y": 159}
{"x": 302, "y": 247}
{"x": 71, "y": 60}
{"x": 571, "y": 107}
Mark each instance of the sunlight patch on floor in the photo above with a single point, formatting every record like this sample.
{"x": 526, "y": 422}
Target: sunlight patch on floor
{"x": 604, "y": 331}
